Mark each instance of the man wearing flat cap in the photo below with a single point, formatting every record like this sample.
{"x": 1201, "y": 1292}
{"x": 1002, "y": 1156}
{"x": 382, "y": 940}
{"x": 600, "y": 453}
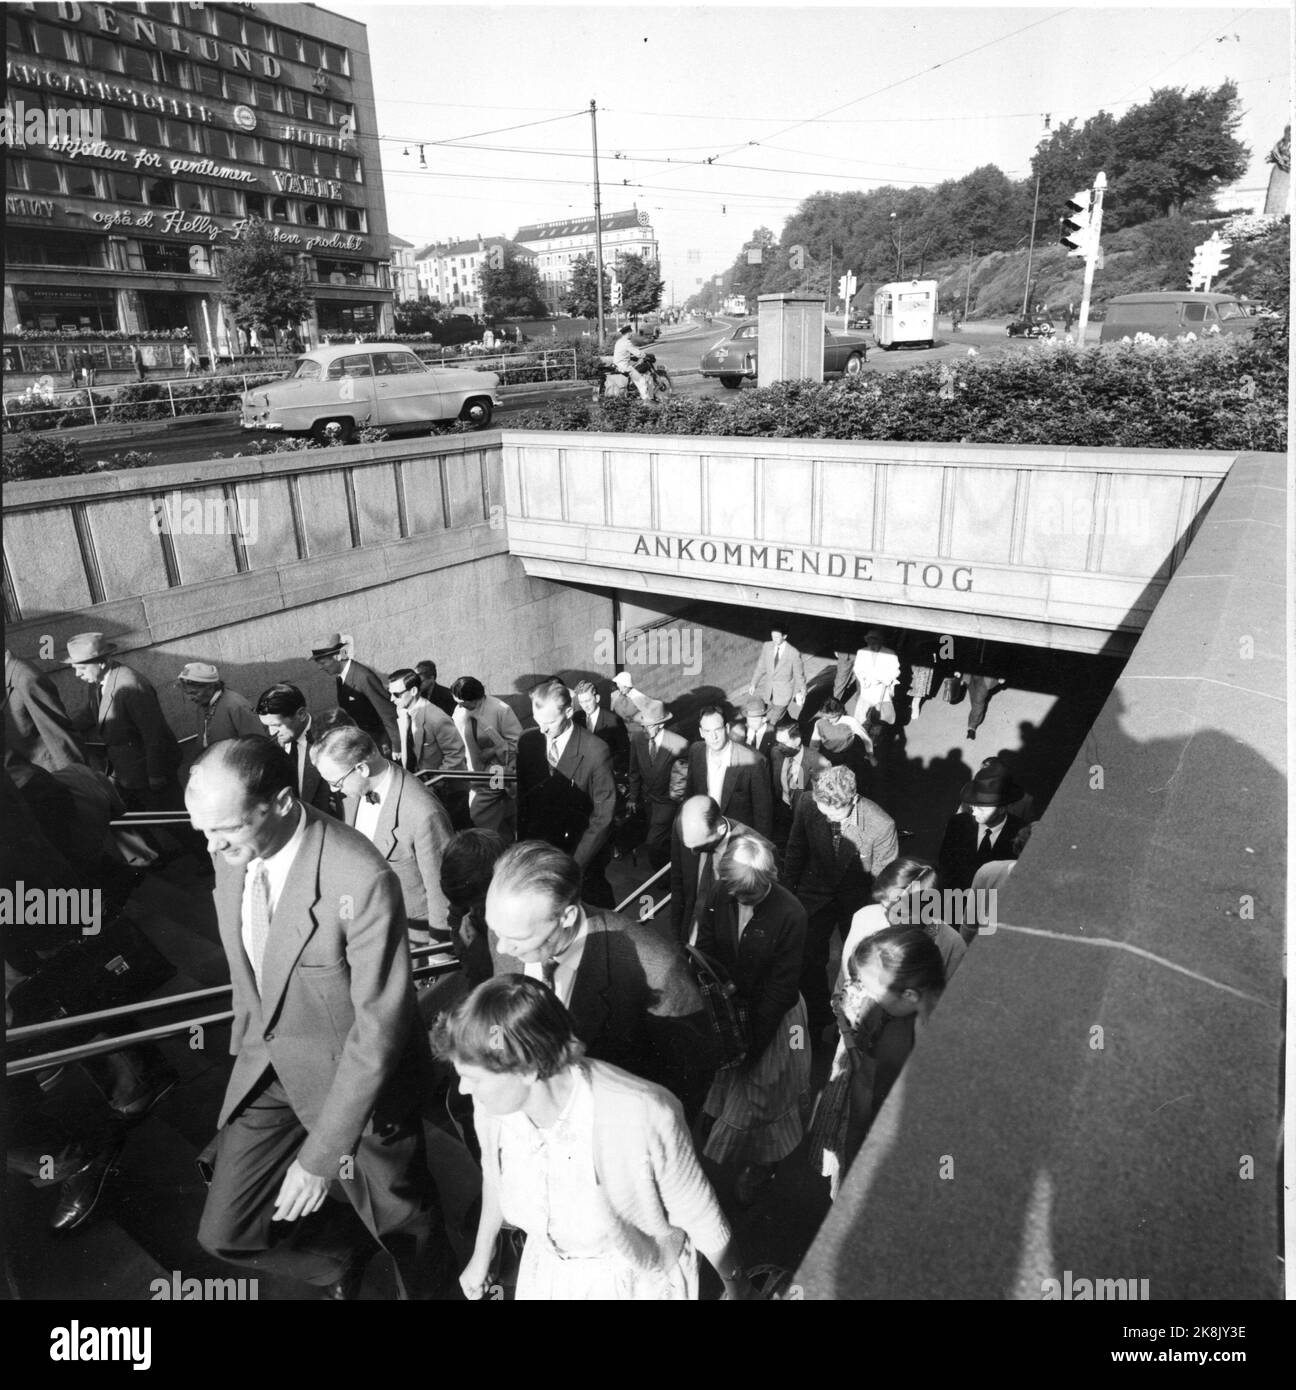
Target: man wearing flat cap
{"x": 124, "y": 716}
{"x": 983, "y": 829}
{"x": 222, "y": 713}
{"x": 360, "y": 691}
{"x": 658, "y": 772}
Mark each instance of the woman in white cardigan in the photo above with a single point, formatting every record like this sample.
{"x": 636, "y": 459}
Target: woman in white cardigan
{"x": 595, "y": 1165}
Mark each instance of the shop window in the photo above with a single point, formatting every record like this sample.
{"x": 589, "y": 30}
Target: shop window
{"x": 24, "y": 246}
{"x": 207, "y": 81}
{"x": 126, "y": 188}
{"x": 43, "y": 177}
{"x": 81, "y": 182}
{"x": 177, "y": 72}
{"x": 224, "y": 201}
{"x": 138, "y": 63}
{"x": 99, "y": 53}
{"x": 159, "y": 193}
{"x": 164, "y": 257}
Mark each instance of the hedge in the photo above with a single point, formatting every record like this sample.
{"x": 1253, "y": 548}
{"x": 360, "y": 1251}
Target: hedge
{"x": 138, "y": 400}
{"x": 1217, "y": 394}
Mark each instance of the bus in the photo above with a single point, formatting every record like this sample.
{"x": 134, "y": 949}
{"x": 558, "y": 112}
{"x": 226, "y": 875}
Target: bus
{"x": 904, "y": 314}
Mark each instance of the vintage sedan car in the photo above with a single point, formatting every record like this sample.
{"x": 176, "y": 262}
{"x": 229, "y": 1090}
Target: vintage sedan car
{"x": 733, "y": 358}
{"x": 333, "y": 391}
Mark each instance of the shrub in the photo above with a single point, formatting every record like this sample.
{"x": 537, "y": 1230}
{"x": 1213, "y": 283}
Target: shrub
{"x": 39, "y": 456}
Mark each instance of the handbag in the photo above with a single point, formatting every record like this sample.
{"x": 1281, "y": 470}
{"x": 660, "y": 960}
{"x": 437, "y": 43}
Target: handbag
{"x": 726, "y": 1010}
{"x": 119, "y": 965}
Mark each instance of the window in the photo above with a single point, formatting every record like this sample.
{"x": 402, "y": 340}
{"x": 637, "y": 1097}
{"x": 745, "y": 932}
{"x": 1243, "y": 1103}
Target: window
{"x": 99, "y": 53}
{"x": 183, "y": 136}
{"x": 148, "y": 129}
{"x": 354, "y": 220}
{"x": 397, "y": 364}
{"x": 238, "y": 87}
{"x": 259, "y": 35}
{"x": 15, "y": 173}
{"x": 312, "y": 214}
{"x": 169, "y": 257}
{"x": 138, "y": 63}
{"x": 277, "y": 155}
{"x": 309, "y": 52}
{"x": 281, "y": 210}
{"x": 254, "y": 204}
{"x": 303, "y": 159}
{"x": 176, "y": 72}
{"x": 50, "y": 42}
{"x": 306, "y": 370}
{"x": 227, "y": 26}
{"x": 247, "y": 148}
{"x": 265, "y": 95}
{"x": 190, "y": 197}
{"x": 224, "y": 201}
{"x": 115, "y": 124}
{"x": 126, "y": 188}
{"x": 294, "y": 103}
{"x": 19, "y": 37}
{"x": 43, "y": 177}
{"x": 319, "y": 110}
{"x": 1194, "y": 313}
{"x": 27, "y": 246}
{"x": 160, "y": 193}
{"x": 355, "y": 366}
{"x": 334, "y": 59}
{"x": 81, "y": 182}
{"x": 207, "y": 81}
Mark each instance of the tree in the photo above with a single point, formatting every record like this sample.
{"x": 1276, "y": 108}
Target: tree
{"x": 581, "y": 299}
{"x": 262, "y": 287}
{"x": 641, "y": 286}
{"x": 419, "y": 315}
{"x": 513, "y": 290}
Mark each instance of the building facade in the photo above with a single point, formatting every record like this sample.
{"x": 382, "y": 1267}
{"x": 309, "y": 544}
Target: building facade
{"x": 557, "y": 245}
{"x": 164, "y": 130}
{"x": 451, "y": 271}
{"x": 404, "y": 275}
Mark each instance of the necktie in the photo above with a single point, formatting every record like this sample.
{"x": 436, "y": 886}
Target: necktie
{"x": 408, "y": 759}
{"x": 371, "y": 798}
{"x": 652, "y": 746}
{"x": 553, "y": 753}
{"x": 549, "y": 969}
{"x": 290, "y": 752}
{"x": 258, "y": 917}
{"x": 986, "y": 843}
{"x": 835, "y": 828}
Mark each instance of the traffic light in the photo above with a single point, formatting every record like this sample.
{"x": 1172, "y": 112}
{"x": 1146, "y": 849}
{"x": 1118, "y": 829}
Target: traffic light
{"x": 1077, "y": 234}
{"x": 847, "y": 286}
{"x": 841, "y": 286}
{"x": 1208, "y": 262}
{"x": 616, "y": 292}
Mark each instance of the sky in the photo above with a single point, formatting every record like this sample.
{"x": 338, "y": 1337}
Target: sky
{"x": 722, "y": 118}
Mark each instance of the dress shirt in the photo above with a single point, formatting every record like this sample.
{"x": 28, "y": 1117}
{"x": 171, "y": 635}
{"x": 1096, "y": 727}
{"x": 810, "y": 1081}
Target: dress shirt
{"x": 403, "y": 726}
{"x": 367, "y": 812}
{"x": 277, "y": 866}
{"x": 717, "y": 766}
{"x": 564, "y": 980}
{"x": 756, "y": 733}
{"x": 558, "y": 745}
{"x": 991, "y": 831}
{"x": 745, "y": 913}
{"x": 792, "y": 775}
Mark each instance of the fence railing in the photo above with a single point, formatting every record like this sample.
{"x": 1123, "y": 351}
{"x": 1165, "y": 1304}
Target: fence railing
{"x": 103, "y": 405}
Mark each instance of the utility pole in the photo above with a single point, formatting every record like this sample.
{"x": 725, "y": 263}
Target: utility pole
{"x": 1030, "y": 254}
{"x": 1094, "y": 251}
{"x": 967, "y": 293}
{"x": 598, "y": 226}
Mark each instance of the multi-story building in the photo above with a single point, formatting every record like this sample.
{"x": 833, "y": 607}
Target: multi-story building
{"x": 450, "y": 271}
{"x": 193, "y": 119}
{"x": 404, "y": 274}
{"x": 558, "y": 244}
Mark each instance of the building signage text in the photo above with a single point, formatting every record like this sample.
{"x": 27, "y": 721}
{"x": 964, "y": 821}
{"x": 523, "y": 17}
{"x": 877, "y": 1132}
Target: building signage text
{"x": 26, "y": 76}
{"x": 308, "y": 184}
{"x": 29, "y": 207}
{"x": 829, "y": 564}
{"x": 172, "y": 223}
{"x": 303, "y": 135}
{"x": 165, "y": 36}
{"x": 139, "y": 158}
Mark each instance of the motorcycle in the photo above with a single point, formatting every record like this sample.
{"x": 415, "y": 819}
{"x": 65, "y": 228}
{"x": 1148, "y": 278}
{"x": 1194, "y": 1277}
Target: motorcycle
{"x": 648, "y": 365}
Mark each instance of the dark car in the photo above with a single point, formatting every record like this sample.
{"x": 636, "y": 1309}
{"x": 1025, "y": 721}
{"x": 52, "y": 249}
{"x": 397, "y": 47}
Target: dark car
{"x": 733, "y": 358}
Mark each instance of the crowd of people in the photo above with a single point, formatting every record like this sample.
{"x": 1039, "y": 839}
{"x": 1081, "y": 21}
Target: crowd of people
{"x": 622, "y": 1068}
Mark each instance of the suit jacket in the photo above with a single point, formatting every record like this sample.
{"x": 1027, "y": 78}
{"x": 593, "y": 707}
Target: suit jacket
{"x": 231, "y": 717}
{"x": 439, "y": 696}
{"x": 817, "y": 874}
{"x": 651, "y": 774}
{"x": 36, "y": 725}
{"x": 636, "y": 1004}
{"x": 960, "y": 856}
{"x": 612, "y": 730}
{"x": 314, "y": 790}
{"x": 798, "y": 779}
{"x": 128, "y": 721}
{"x": 434, "y": 739}
{"x": 628, "y": 708}
{"x": 571, "y": 805}
{"x": 765, "y": 965}
{"x": 745, "y": 793}
{"x": 335, "y": 1015}
{"x": 778, "y": 681}
{"x": 687, "y": 875}
{"x": 363, "y": 694}
{"x": 411, "y": 835}
{"x": 764, "y": 745}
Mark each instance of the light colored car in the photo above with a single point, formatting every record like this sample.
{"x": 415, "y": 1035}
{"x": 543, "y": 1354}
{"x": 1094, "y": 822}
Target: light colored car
{"x": 334, "y": 391}
{"x": 734, "y": 357}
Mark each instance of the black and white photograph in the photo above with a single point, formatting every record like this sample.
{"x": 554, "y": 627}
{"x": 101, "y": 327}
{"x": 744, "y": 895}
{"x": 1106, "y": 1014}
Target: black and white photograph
{"x": 648, "y": 656}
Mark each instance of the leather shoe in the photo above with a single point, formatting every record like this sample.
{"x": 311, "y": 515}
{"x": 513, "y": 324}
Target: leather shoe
{"x": 163, "y": 1082}
{"x": 346, "y": 1288}
{"x": 81, "y": 1192}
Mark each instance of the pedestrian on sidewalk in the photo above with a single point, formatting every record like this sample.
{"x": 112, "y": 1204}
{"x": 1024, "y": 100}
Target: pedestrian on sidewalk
{"x": 190, "y": 360}
{"x": 137, "y": 361}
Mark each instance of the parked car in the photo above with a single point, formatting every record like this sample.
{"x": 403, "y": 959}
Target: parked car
{"x": 1174, "y": 314}
{"x": 734, "y": 357}
{"x": 333, "y": 391}
{"x": 1032, "y": 326}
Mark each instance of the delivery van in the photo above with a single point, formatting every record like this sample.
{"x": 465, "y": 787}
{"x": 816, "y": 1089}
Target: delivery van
{"x": 1174, "y": 314}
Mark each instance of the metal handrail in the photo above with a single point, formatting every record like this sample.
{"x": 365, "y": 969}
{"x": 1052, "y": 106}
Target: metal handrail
{"x": 621, "y": 907}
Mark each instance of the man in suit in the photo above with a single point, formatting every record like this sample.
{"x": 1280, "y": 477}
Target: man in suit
{"x": 877, "y": 673}
{"x": 779, "y": 677}
{"x": 222, "y": 713}
{"x": 285, "y": 718}
{"x": 329, "y": 1058}
{"x": 627, "y": 985}
{"x": 838, "y": 844}
{"x": 360, "y": 691}
{"x": 734, "y": 777}
{"x": 566, "y": 792}
{"x": 490, "y": 733}
{"x": 700, "y": 833}
{"x": 760, "y": 728}
{"x": 658, "y": 771}
{"x": 36, "y": 725}
{"x": 431, "y": 691}
{"x": 397, "y": 814}
{"x": 983, "y": 829}
{"x": 427, "y": 741}
{"x": 605, "y": 724}
{"x": 125, "y": 716}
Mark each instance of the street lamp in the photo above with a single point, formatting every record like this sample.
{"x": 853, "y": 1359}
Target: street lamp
{"x": 898, "y": 238}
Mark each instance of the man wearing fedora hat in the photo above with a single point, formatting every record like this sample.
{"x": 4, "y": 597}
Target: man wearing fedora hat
{"x": 360, "y": 691}
{"x": 983, "y": 829}
{"x": 124, "y": 715}
{"x": 658, "y": 772}
{"x": 37, "y": 726}
{"x": 222, "y": 713}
